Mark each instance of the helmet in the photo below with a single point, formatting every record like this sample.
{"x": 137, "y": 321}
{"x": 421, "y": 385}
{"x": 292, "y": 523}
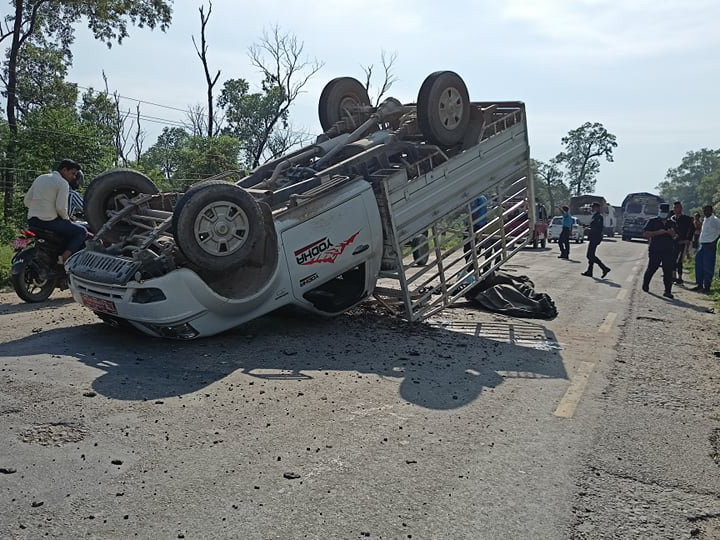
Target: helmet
{"x": 78, "y": 181}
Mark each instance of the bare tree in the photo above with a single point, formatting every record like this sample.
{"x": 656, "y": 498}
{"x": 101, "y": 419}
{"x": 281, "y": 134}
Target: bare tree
{"x": 196, "y": 119}
{"x": 139, "y": 135}
{"x": 388, "y": 61}
{"x": 202, "y": 54}
{"x": 279, "y": 56}
{"x": 283, "y": 139}
{"x": 119, "y": 131}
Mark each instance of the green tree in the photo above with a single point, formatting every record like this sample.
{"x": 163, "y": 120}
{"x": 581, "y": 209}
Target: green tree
{"x": 251, "y": 117}
{"x": 41, "y": 73}
{"x": 53, "y": 22}
{"x": 583, "y": 147}
{"x": 166, "y": 154}
{"x": 48, "y": 135}
{"x": 200, "y": 157}
{"x": 550, "y": 188}
{"x": 683, "y": 183}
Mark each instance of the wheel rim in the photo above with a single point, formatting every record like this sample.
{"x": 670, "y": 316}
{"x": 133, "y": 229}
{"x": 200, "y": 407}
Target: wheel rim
{"x": 348, "y": 106}
{"x": 221, "y": 228}
{"x": 33, "y": 284}
{"x": 450, "y": 108}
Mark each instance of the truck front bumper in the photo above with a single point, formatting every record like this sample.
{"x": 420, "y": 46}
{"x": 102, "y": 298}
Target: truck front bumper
{"x": 177, "y": 305}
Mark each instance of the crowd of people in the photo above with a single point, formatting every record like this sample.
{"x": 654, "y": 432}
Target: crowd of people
{"x": 672, "y": 236}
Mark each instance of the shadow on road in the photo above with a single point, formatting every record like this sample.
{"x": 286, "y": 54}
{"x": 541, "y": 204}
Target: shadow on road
{"x": 48, "y": 305}
{"x": 681, "y": 303}
{"x": 436, "y": 368}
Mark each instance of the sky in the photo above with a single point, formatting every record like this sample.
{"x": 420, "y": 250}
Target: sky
{"x": 648, "y": 70}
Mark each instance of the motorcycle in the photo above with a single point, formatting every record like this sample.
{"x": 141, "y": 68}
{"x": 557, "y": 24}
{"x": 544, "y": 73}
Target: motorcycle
{"x": 36, "y": 272}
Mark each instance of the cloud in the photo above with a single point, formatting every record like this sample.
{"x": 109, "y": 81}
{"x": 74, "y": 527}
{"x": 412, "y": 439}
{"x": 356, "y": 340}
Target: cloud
{"x": 607, "y": 29}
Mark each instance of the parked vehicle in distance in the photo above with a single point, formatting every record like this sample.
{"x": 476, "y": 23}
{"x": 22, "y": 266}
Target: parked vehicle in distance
{"x": 581, "y": 208}
{"x": 577, "y": 233}
{"x": 638, "y": 208}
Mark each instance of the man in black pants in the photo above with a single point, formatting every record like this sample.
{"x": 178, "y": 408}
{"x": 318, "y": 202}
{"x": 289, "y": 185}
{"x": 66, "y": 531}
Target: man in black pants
{"x": 564, "y": 240}
{"x": 661, "y": 233}
{"x": 595, "y": 237}
{"x": 685, "y": 228}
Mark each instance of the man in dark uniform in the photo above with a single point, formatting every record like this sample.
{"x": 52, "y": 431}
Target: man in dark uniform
{"x": 661, "y": 233}
{"x": 597, "y": 226}
{"x": 685, "y": 228}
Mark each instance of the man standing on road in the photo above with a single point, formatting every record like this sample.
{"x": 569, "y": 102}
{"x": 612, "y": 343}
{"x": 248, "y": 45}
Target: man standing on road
{"x": 595, "y": 237}
{"x": 706, "y": 253}
{"x": 662, "y": 234}
{"x": 564, "y": 240}
{"x": 685, "y": 229}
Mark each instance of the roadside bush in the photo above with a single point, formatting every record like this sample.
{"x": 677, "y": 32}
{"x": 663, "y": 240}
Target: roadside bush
{"x": 6, "y": 253}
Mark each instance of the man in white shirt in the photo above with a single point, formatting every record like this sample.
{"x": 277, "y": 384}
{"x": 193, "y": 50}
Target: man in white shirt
{"x": 47, "y": 204}
{"x": 705, "y": 256}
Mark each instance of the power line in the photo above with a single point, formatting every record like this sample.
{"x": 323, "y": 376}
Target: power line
{"x": 141, "y": 101}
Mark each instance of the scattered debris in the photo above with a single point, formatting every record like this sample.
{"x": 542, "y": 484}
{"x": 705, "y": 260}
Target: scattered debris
{"x": 53, "y": 434}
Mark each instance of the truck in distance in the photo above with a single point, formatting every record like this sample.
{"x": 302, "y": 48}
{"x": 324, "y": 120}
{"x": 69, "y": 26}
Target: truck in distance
{"x": 379, "y": 205}
{"x": 581, "y": 207}
{"x": 638, "y": 208}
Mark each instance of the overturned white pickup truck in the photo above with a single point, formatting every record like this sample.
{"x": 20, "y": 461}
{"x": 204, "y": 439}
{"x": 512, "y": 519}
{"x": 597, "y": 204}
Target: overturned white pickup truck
{"x": 407, "y": 202}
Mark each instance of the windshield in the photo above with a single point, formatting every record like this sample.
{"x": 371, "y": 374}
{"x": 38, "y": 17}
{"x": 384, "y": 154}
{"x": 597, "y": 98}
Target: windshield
{"x": 633, "y": 208}
{"x": 557, "y": 221}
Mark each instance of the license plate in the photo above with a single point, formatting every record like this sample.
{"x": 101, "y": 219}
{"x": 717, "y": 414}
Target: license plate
{"x": 21, "y": 243}
{"x": 98, "y": 304}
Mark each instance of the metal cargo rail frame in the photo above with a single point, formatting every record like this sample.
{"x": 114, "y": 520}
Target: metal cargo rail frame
{"x": 463, "y": 243}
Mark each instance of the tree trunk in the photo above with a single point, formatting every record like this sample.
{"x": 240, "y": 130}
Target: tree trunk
{"x": 552, "y": 199}
{"x": 11, "y": 87}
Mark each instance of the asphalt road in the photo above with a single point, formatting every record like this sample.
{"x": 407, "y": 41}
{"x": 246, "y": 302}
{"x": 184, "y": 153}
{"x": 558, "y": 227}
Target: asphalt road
{"x": 600, "y": 423}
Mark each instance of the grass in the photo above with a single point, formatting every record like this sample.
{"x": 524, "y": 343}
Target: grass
{"x": 6, "y": 254}
{"x": 714, "y": 287}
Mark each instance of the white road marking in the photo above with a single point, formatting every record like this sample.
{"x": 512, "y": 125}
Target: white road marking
{"x": 621, "y": 295}
{"x": 607, "y": 323}
{"x": 569, "y": 402}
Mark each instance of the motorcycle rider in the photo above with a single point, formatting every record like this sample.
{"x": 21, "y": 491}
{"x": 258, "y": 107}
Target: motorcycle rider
{"x": 47, "y": 204}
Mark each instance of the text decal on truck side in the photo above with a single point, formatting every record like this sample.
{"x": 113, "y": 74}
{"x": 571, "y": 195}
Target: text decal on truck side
{"x": 322, "y": 251}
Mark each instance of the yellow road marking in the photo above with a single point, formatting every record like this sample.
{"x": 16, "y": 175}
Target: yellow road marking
{"x": 607, "y": 323}
{"x": 567, "y": 405}
{"x": 621, "y": 295}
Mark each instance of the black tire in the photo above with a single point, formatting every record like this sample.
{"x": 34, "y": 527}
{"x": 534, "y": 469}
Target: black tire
{"x": 101, "y": 195}
{"x": 443, "y": 108}
{"x": 229, "y": 242}
{"x": 28, "y": 285}
{"x": 421, "y": 249}
{"x": 337, "y": 97}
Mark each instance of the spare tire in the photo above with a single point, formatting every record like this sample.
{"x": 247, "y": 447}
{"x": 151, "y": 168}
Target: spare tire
{"x": 443, "y": 108}
{"x": 104, "y": 191}
{"x": 338, "y": 97}
{"x": 217, "y": 225}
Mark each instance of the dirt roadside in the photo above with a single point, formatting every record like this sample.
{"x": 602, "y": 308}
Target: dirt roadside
{"x": 653, "y": 468}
